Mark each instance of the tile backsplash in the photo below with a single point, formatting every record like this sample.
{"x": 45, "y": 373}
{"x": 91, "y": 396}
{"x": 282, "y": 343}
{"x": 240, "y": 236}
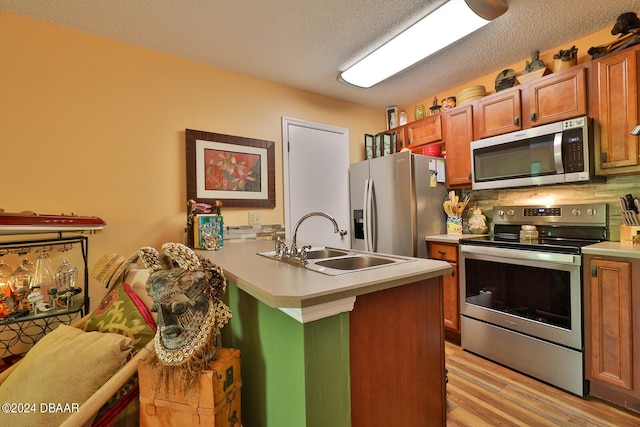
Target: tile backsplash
{"x": 565, "y": 194}
{"x": 245, "y": 233}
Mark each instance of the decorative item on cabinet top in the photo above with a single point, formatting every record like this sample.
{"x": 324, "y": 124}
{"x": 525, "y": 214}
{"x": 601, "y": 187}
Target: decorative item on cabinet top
{"x": 380, "y": 144}
{"x": 435, "y": 108}
{"x": 470, "y": 94}
{"x": 505, "y": 80}
{"x": 565, "y": 58}
{"x": 628, "y": 26}
{"x": 392, "y": 117}
{"x": 534, "y": 68}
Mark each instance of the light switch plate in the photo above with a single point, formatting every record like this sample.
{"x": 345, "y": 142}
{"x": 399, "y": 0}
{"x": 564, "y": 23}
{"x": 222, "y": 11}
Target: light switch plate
{"x": 255, "y": 218}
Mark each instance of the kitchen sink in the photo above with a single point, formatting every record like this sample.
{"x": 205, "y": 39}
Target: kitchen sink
{"x": 325, "y": 253}
{"x": 357, "y": 262}
{"x": 333, "y": 261}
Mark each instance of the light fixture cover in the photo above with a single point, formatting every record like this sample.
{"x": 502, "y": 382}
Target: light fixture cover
{"x": 450, "y": 22}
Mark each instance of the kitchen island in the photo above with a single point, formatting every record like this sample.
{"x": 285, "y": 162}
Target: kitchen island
{"x": 364, "y": 348}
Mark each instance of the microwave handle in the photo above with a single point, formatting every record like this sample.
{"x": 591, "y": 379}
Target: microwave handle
{"x": 557, "y": 152}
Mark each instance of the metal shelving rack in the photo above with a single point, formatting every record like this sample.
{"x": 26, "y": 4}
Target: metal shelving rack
{"x": 27, "y": 330}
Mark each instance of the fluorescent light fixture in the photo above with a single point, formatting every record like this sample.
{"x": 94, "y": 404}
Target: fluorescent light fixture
{"x": 450, "y": 22}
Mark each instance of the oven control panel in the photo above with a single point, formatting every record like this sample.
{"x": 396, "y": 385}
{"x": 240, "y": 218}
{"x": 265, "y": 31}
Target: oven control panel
{"x": 577, "y": 214}
{"x": 542, "y": 211}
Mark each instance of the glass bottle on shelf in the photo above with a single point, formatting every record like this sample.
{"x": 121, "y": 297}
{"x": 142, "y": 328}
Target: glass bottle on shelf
{"x": 66, "y": 278}
{"x": 44, "y": 277}
{"x": 6, "y": 306}
{"x": 28, "y": 264}
{"x": 20, "y": 281}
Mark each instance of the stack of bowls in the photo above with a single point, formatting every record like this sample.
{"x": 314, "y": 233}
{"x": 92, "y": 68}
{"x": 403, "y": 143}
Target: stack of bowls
{"x": 470, "y": 94}
{"x": 432, "y": 150}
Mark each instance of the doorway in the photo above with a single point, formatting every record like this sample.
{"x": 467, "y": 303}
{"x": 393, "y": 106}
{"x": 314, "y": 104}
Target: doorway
{"x": 316, "y": 179}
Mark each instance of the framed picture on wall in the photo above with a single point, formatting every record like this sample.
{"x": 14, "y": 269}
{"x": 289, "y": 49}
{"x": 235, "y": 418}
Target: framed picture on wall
{"x": 238, "y": 171}
{"x": 392, "y": 117}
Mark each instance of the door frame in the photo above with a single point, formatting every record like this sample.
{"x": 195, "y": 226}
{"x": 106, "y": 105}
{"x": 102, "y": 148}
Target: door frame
{"x": 286, "y": 121}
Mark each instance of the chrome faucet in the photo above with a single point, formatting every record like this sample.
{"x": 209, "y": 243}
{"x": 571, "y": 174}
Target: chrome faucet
{"x": 294, "y": 248}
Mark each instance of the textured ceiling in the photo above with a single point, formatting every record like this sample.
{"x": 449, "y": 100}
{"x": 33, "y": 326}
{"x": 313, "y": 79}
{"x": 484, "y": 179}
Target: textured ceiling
{"x": 305, "y": 44}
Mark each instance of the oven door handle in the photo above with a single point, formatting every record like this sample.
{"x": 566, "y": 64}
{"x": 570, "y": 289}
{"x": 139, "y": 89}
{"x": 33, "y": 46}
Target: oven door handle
{"x": 554, "y": 258}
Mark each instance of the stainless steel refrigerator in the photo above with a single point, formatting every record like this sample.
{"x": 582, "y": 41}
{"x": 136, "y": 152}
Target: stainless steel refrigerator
{"x": 396, "y": 201}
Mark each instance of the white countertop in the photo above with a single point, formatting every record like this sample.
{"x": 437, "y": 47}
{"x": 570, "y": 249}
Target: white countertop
{"x": 294, "y": 289}
{"x": 615, "y": 249}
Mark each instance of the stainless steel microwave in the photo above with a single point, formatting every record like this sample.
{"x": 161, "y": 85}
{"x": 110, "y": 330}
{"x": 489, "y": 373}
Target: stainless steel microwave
{"x": 550, "y": 154}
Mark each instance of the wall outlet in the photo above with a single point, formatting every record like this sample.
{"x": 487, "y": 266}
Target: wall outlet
{"x": 255, "y": 218}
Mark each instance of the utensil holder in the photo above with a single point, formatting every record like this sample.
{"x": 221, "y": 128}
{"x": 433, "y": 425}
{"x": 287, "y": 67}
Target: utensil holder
{"x": 627, "y": 232}
{"x": 454, "y": 225}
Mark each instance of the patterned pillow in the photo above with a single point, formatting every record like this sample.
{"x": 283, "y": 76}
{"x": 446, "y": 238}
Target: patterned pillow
{"x": 122, "y": 312}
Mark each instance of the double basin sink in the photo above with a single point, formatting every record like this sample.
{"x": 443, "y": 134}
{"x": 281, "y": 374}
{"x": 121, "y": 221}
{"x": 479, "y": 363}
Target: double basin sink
{"x": 333, "y": 261}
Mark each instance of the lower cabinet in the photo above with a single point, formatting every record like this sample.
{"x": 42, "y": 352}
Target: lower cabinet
{"x": 612, "y": 329}
{"x": 449, "y": 252}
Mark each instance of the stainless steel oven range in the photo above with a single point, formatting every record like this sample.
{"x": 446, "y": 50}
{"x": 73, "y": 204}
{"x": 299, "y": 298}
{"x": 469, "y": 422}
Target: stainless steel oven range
{"x": 521, "y": 290}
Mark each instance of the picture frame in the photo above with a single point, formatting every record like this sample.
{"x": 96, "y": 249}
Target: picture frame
{"x": 368, "y": 147}
{"x": 392, "y": 117}
{"x": 238, "y": 171}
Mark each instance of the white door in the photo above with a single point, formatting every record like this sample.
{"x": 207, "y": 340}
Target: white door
{"x": 316, "y": 179}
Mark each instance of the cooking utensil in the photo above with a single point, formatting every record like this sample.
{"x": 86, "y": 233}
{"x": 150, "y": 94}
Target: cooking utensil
{"x": 630, "y": 203}
{"x": 629, "y": 217}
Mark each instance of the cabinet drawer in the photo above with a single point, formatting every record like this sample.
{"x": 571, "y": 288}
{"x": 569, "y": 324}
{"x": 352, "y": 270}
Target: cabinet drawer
{"x": 443, "y": 252}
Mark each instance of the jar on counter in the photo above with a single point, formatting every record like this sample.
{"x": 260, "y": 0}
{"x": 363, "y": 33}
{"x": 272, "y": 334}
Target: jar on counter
{"x": 478, "y": 222}
{"x": 528, "y": 232}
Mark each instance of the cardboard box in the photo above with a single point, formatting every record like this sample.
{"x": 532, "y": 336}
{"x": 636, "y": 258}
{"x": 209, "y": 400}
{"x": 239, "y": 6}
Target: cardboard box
{"x": 214, "y": 402}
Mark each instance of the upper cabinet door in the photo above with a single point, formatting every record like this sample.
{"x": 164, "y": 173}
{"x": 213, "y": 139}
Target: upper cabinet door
{"x": 424, "y": 131}
{"x": 559, "y": 96}
{"x": 458, "y": 134}
{"x": 498, "y": 113}
{"x": 617, "y": 78}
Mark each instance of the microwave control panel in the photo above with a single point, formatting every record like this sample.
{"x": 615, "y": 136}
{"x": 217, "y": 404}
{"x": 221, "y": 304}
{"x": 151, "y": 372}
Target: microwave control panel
{"x": 573, "y": 150}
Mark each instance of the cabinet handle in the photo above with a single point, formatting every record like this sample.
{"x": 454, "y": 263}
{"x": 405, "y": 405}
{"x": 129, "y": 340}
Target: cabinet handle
{"x": 533, "y": 116}
{"x": 453, "y": 273}
{"x": 603, "y": 157}
{"x": 516, "y": 121}
{"x": 594, "y": 271}
{"x": 469, "y": 176}
{"x": 442, "y": 252}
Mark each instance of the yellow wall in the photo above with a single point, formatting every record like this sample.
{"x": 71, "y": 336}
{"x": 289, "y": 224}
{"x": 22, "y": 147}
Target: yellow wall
{"x": 96, "y": 127}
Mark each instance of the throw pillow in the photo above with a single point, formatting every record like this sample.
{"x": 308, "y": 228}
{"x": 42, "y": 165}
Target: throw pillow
{"x": 59, "y": 374}
{"x": 121, "y": 311}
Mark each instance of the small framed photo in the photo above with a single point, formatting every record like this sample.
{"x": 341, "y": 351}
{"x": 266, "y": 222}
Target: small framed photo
{"x": 392, "y": 117}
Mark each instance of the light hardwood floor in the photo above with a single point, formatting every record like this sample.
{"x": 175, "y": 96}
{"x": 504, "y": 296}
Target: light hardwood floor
{"x": 482, "y": 393}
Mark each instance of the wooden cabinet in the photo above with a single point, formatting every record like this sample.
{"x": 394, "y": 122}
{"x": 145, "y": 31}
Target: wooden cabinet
{"x": 556, "y": 97}
{"x": 612, "y": 329}
{"x": 449, "y": 252}
{"x": 498, "y": 113}
{"x": 616, "y": 77}
{"x": 424, "y": 131}
{"x": 458, "y": 134}
{"x": 552, "y": 98}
